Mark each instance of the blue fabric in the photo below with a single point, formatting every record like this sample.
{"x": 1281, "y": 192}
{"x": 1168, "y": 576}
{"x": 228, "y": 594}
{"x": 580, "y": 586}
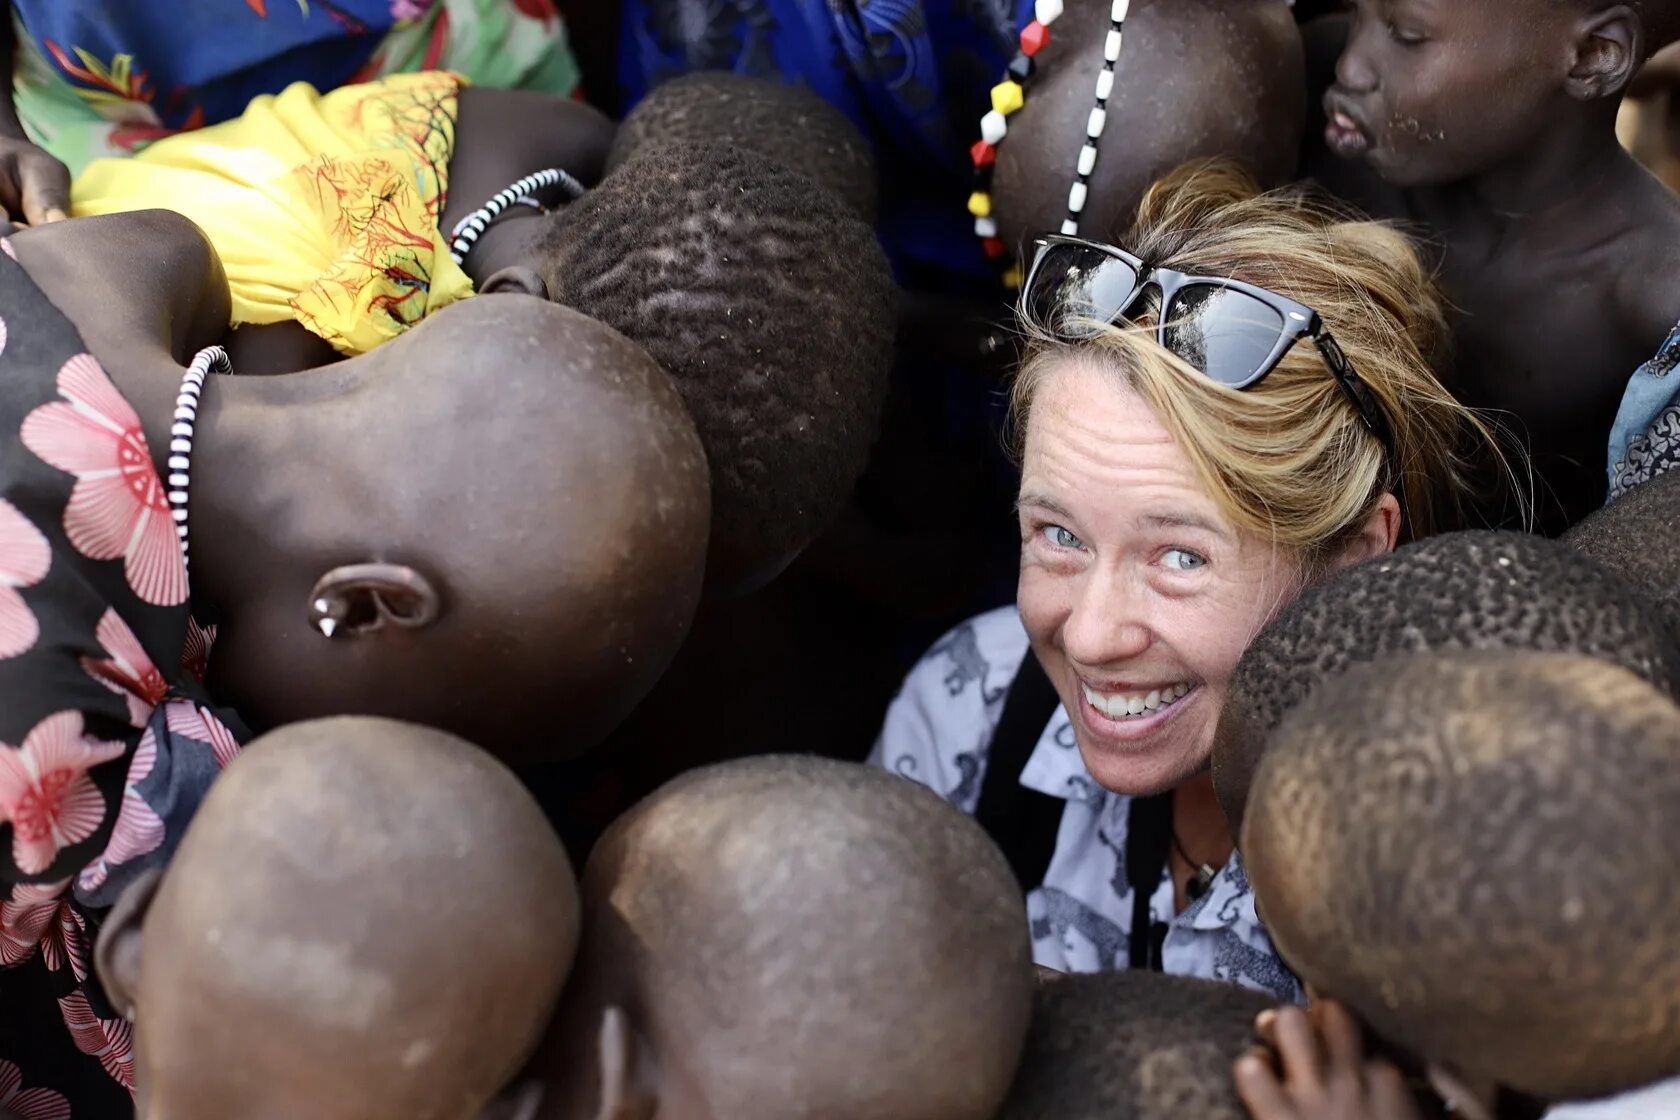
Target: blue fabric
{"x": 198, "y": 62}
{"x": 913, "y": 75}
{"x": 1645, "y": 440}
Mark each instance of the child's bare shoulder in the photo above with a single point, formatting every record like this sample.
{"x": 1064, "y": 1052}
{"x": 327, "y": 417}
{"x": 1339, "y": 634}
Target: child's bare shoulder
{"x": 1647, "y": 281}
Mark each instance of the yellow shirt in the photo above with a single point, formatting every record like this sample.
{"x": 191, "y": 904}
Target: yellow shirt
{"x": 323, "y": 208}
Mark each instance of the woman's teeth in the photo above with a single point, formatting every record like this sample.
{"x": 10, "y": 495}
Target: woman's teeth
{"x": 1129, "y": 705}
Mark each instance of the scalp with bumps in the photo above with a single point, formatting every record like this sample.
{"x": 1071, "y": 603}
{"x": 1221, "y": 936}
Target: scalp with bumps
{"x": 786, "y": 123}
{"x": 772, "y": 308}
{"x": 1458, "y": 591}
{"x": 1633, "y": 537}
{"x": 1134, "y": 1046}
{"x": 1474, "y": 851}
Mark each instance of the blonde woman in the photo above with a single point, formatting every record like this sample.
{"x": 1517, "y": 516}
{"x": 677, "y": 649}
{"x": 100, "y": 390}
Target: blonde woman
{"x": 1228, "y": 404}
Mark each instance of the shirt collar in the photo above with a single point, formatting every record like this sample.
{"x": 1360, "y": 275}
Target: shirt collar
{"x": 1055, "y": 767}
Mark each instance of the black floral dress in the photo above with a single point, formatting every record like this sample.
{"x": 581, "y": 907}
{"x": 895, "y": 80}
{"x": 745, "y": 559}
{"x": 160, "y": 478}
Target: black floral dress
{"x": 107, "y": 738}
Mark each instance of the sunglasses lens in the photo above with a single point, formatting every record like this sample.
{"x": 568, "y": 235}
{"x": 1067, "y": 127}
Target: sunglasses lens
{"x": 1076, "y": 290}
{"x": 1226, "y": 334}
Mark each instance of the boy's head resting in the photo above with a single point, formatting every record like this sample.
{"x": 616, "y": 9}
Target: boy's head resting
{"x": 1134, "y": 1046}
{"x": 1458, "y": 591}
{"x": 504, "y": 529}
{"x": 365, "y": 920}
{"x": 1438, "y": 93}
{"x": 1215, "y": 78}
{"x": 791, "y": 937}
{"x": 772, "y": 308}
{"x": 1634, "y": 537}
{"x": 1474, "y": 851}
{"x": 786, "y": 123}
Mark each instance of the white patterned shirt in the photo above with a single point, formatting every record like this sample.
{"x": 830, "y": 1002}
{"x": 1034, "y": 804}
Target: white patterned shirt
{"x": 938, "y": 733}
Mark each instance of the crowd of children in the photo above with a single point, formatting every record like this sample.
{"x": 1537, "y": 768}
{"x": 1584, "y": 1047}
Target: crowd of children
{"x": 474, "y": 473}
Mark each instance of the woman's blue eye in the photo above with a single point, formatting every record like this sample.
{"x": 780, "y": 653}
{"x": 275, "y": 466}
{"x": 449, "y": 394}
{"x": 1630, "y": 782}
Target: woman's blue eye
{"x": 1061, "y": 538}
{"x": 1183, "y": 560}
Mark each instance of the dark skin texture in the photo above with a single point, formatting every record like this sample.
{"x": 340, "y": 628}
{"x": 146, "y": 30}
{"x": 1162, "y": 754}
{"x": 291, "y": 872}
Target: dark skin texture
{"x": 1495, "y": 132}
{"x": 34, "y": 187}
{"x": 526, "y": 599}
{"x": 1195, "y": 79}
{"x": 350, "y": 895}
{"x": 500, "y": 136}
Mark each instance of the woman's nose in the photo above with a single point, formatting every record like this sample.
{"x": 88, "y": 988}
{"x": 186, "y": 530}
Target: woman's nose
{"x": 1107, "y": 624}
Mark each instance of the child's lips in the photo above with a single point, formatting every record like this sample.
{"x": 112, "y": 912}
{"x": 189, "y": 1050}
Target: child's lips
{"x": 1345, "y": 137}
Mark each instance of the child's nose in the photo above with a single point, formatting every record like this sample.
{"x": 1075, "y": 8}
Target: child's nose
{"x": 1354, "y": 71}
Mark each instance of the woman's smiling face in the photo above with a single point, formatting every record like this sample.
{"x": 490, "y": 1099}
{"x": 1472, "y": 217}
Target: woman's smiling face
{"x": 1138, "y": 594}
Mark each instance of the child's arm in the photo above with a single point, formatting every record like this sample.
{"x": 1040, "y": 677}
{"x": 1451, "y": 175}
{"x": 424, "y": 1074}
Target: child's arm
{"x": 32, "y": 182}
{"x": 1325, "y": 1074}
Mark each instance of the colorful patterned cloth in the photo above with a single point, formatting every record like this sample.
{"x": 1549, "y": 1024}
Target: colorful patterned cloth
{"x": 101, "y": 78}
{"x": 107, "y": 739}
{"x": 323, "y": 208}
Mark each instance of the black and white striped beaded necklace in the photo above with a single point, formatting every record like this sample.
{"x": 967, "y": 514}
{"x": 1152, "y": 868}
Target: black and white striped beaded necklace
{"x": 522, "y": 192}
{"x": 211, "y": 359}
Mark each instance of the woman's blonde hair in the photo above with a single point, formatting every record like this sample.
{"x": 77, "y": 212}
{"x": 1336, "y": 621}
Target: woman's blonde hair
{"x": 1289, "y": 458}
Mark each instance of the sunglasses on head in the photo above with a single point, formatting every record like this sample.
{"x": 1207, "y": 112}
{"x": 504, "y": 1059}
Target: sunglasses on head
{"x": 1233, "y": 332}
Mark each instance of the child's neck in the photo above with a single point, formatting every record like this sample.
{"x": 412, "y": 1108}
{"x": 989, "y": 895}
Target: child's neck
{"x": 1551, "y": 193}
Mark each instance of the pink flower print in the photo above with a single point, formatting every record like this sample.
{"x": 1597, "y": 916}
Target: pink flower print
{"x": 66, "y": 943}
{"x": 6, "y": 247}
{"x": 187, "y": 718}
{"x": 109, "y": 1040}
{"x": 118, "y": 506}
{"x": 195, "y": 652}
{"x": 24, "y": 919}
{"x": 45, "y": 791}
{"x": 138, "y": 831}
{"x": 29, "y": 1104}
{"x": 127, "y": 670}
{"x": 25, "y": 557}
{"x": 404, "y": 10}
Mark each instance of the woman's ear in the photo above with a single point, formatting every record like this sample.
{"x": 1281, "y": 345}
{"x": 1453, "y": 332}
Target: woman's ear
{"x": 625, "y": 1079}
{"x": 117, "y": 951}
{"x": 1609, "y": 48}
{"x": 364, "y": 598}
{"x": 1377, "y": 537}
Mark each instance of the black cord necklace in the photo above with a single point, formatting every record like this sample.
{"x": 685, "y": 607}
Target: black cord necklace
{"x": 1203, "y": 874}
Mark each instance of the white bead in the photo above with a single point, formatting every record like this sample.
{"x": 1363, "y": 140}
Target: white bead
{"x": 1070, "y": 228}
{"x": 1047, "y": 11}
{"x": 985, "y": 227}
{"x": 179, "y": 497}
{"x": 180, "y": 429}
{"x": 993, "y": 127}
{"x": 1094, "y": 128}
{"x": 1076, "y": 198}
{"x": 1087, "y": 159}
{"x": 1111, "y": 48}
{"x": 1121, "y": 8}
{"x": 179, "y": 515}
{"x": 177, "y": 479}
{"x": 180, "y": 445}
{"x": 1105, "y": 84}
{"x": 179, "y": 463}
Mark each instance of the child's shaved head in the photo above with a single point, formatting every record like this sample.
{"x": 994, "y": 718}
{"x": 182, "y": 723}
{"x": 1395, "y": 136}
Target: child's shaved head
{"x": 799, "y": 938}
{"x": 1633, "y": 537}
{"x": 1475, "y": 852}
{"x": 1134, "y": 1046}
{"x": 771, "y": 306}
{"x": 786, "y": 123}
{"x": 1458, "y": 591}
{"x": 366, "y": 920}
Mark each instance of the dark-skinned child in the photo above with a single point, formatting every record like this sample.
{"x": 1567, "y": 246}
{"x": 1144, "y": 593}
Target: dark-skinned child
{"x": 1467, "y": 591}
{"x": 1472, "y": 852}
{"x": 1492, "y": 126}
{"x": 513, "y": 558}
{"x": 367, "y": 920}
{"x": 1633, "y": 537}
{"x": 1133, "y": 1045}
{"x": 790, "y": 938}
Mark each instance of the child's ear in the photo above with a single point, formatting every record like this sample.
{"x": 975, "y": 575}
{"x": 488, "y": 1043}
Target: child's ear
{"x": 623, "y": 1075}
{"x": 365, "y": 598}
{"x": 1609, "y": 46}
{"x": 116, "y": 953}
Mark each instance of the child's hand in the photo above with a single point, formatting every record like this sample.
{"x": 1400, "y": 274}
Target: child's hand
{"x": 34, "y": 187}
{"x": 1325, "y": 1073}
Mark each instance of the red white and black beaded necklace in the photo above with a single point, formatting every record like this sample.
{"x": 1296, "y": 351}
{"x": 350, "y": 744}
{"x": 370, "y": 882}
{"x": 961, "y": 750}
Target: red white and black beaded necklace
{"x": 1008, "y": 96}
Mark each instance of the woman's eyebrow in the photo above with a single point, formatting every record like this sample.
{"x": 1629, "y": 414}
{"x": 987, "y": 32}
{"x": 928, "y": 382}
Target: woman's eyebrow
{"x": 1043, "y": 502}
{"x": 1182, "y": 521}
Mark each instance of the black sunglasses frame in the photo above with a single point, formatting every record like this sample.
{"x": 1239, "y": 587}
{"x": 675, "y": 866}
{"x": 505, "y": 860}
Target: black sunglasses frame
{"x": 1299, "y": 321}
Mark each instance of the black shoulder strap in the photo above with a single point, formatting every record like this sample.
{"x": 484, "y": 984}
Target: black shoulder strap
{"x": 1023, "y": 822}
{"x": 1148, "y": 836}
